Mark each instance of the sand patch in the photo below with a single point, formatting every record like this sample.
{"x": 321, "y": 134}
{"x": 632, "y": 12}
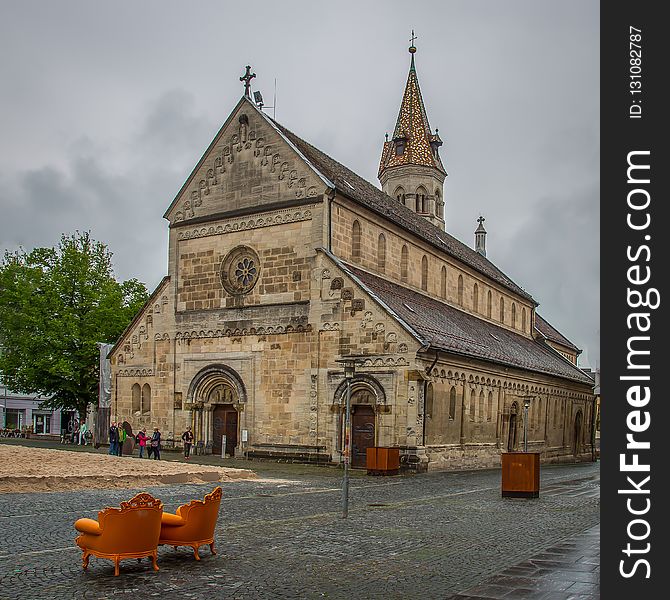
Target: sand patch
{"x": 25, "y": 469}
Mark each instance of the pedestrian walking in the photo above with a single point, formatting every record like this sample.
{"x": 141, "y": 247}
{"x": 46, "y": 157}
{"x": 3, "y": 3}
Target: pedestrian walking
{"x": 122, "y": 438}
{"x": 113, "y": 439}
{"x": 82, "y": 434}
{"x": 155, "y": 444}
{"x": 141, "y": 439}
{"x": 188, "y": 437}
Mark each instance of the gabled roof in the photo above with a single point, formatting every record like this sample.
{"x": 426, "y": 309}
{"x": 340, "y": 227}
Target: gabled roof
{"x": 446, "y": 328}
{"x": 552, "y": 334}
{"x": 362, "y": 192}
{"x": 412, "y": 126}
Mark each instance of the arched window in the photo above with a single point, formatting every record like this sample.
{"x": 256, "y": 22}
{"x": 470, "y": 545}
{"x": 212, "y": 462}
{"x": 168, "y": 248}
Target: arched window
{"x": 424, "y": 273}
{"x": 514, "y": 315}
{"x": 438, "y": 204}
{"x": 489, "y": 412}
{"x": 400, "y": 195}
{"x": 421, "y": 200}
{"x": 460, "y": 290}
{"x": 381, "y": 253}
{"x": 403, "y": 264}
{"x": 473, "y": 400}
{"x": 481, "y": 405}
{"x": 146, "y": 398}
{"x": 502, "y": 309}
{"x": 489, "y": 304}
{"x": 475, "y": 298}
{"x": 443, "y": 283}
{"x": 137, "y": 398}
{"x": 452, "y": 403}
{"x": 523, "y": 318}
{"x": 429, "y": 401}
{"x": 356, "y": 241}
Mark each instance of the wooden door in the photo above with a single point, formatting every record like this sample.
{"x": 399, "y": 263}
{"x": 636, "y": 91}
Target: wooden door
{"x": 224, "y": 422}
{"x": 362, "y": 434}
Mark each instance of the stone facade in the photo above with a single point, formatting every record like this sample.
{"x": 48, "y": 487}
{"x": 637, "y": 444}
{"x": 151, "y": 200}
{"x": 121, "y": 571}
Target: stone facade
{"x": 242, "y": 338}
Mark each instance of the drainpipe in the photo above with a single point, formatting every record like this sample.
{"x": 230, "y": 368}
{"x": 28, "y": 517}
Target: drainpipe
{"x": 425, "y": 388}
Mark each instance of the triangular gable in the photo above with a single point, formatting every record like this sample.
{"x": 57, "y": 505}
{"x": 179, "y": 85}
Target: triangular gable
{"x": 248, "y": 164}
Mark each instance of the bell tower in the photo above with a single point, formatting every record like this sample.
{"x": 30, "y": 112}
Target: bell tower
{"x": 410, "y": 169}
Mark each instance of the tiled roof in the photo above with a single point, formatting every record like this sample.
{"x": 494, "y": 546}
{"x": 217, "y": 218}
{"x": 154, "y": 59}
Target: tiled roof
{"x": 412, "y": 125}
{"x": 447, "y": 328}
{"x": 358, "y": 189}
{"x": 552, "y": 334}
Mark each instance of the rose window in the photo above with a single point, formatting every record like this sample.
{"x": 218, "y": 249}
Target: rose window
{"x": 240, "y": 270}
{"x": 245, "y": 272}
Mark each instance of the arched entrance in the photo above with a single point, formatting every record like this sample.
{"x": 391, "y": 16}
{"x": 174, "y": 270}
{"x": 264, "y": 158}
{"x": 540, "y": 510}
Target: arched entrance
{"x": 366, "y": 395}
{"x": 577, "y": 442}
{"x": 512, "y": 436}
{"x": 217, "y": 394}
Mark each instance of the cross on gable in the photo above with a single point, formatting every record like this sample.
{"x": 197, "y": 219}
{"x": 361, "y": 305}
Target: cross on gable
{"x": 412, "y": 38}
{"x": 247, "y": 77}
{"x": 481, "y": 220}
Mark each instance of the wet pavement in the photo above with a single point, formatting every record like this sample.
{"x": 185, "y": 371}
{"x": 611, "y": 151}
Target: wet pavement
{"x": 435, "y": 535}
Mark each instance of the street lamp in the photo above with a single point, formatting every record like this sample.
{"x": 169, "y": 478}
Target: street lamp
{"x": 349, "y": 372}
{"x": 526, "y": 406}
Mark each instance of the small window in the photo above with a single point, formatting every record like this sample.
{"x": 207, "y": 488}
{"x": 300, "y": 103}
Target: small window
{"x": 452, "y": 403}
{"x": 137, "y": 398}
{"x": 473, "y": 401}
{"x": 443, "y": 283}
{"x": 146, "y": 398}
{"x": 424, "y": 273}
{"x": 489, "y": 304}
{"x": 356, "y": 241}
{"x": 489, "y": 412}
{"x": 502, "y": 309}
{"x": 429, "y": 401}
{"x": 381, "y": 253}
{"x": 460, "y": 290}
{"x": 475, "y": 298}
{"x": 404, "y": 257}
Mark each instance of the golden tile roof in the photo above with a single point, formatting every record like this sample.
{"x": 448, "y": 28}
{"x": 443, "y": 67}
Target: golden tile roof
{"x": 412, "y": 125}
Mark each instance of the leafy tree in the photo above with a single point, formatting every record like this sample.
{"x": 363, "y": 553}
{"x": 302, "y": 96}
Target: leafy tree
{"x": 56, "y": 304}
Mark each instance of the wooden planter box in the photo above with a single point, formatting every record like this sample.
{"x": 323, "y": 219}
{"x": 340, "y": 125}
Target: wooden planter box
{"x": 383, "y": 461}
{"x": 521, "y": 474}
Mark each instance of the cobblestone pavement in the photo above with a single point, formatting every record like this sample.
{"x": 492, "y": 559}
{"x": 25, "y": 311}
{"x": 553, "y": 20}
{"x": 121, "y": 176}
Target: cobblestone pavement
{"x": 422, "y": 536}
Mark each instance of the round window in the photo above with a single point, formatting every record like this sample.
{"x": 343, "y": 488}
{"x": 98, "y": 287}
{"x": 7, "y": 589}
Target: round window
{"x": 240, "y": 270}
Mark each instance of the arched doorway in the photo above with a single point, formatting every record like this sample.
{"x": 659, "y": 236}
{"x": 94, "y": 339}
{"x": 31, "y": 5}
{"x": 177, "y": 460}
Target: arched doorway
{"x": 512, "y": 435}
{"x": 366, "y": 395}
{"x": 362, "y": 427}
{"x": 223, "y": 399}
{"x": 217, "y": 394}
{"x": 577, "y": 442}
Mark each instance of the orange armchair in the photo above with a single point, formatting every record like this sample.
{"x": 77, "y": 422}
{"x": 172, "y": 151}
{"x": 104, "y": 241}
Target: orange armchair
{"x": 131, "y": 531}
{"x": 193, "y": 524}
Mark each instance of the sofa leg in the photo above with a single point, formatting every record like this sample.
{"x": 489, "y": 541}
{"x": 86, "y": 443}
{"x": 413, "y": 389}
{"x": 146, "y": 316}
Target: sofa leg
{"x": 154, "y": 558}
{"x": 116, "y": 566}
{"x": 84, "y": 560}
{"x": 211, "y": 548}
{"x": 195, "y": 553}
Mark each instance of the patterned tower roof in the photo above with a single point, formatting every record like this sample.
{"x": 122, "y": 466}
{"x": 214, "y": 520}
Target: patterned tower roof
{"x": 419, "y": 146}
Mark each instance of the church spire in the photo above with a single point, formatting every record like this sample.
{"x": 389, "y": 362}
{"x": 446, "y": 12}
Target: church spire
{"x": 410, "y": 168}
{"x": 413, "y": 143}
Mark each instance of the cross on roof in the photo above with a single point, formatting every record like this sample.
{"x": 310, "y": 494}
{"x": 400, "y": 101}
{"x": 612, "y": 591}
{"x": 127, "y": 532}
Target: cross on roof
{"x": 481, "y": 220}
{"x": 247, "y": 77}
{"x": 412, "y": 38}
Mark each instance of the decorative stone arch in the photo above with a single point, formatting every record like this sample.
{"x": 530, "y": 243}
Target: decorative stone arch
{"x": 358, "y": 383}
{"x": 210, "y": 377}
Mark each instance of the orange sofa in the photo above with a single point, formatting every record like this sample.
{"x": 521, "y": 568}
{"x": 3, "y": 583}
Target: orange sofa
{"x": 193, "y": 524}
{"x": 131, "y": 531}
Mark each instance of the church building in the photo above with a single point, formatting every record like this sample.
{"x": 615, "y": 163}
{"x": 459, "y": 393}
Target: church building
{"x": 283, "y": 263}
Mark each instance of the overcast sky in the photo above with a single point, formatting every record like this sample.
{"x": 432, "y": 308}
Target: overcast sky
{"x": 107, "y": 106}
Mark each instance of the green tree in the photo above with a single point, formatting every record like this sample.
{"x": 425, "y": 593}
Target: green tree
{"x": 56, "y": 304}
